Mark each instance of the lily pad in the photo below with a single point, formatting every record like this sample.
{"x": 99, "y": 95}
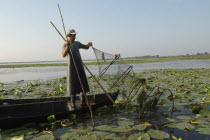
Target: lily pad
{"x": 19, "y": 132}
{"x": 44, "y": 137}
{"x": 146, "y": 124}
{"x": 18, "y": 137}
{"x": 139, "y": 127}
{"x": 203, "y": 131}
{"x": 203, "y": 122}
{"x": 157, "y": 134}
{"x": 101, "y": 134}
{"x": 183, "y": 118}
{"x": 80, "y": 131}
{"x": 181, "y": 125}
{"x": 125, "y": 123}
{"x": 1, "y": 84}
{"x": 69, "y": 135}
{"x": 104, "y": 127}
{"x": 87, "y": 137}
{"x": 139, "y": 136}
{"x": 121, "y": 129}
{"x": 170, "y": 119}
{"x": 109, "y": 136}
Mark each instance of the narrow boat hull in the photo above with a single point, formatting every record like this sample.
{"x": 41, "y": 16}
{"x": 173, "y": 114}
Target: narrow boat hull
{"x": 16, "y": 112}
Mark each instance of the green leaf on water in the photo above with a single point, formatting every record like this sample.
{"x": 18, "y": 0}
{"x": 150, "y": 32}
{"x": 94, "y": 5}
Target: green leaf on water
{"x": 121, "y": 129}
{"x": 44, "y": 137}
{"x": 139, "y": 127}
{"x": 51, "y": 118}
{"x": 174, "y": 138}
{"x": 139, "y": 136}
{"x": 19, "y": 132}
{"x": 104, "y": 127}
{"x": 18, "y": 90}
{"x": 87, "y": 137}
{"x": 1, "y": 84}
{"x": 197, "y": 108}
{"x": 125, "y": 123}
{"x": 179, "y": 96}
{"x": 181, "y": 125}
{"x": 203, "y": 131}
{"x": 109, "y": 136}
{"x": 99, "y": 133}
{"x": 79, "y": 131}
{"x": 203, "y": 92}
{"x": 170, "y": 119}
{"x": 184, "y": 118}
{"x": 205, "y": 111}
{"x": 157, "y": 134}
{"x": 123, "y": 118}
{"x": 18, "y": 137}
{"x": 69, "y": 135}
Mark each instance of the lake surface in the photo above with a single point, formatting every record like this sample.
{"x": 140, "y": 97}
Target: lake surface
{"x": 46, "y": 73}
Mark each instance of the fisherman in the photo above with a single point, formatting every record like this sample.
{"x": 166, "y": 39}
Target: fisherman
{"x": 74, "y": 86}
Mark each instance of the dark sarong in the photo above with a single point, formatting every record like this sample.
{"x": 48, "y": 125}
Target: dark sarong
{"x": 73, "y": 83}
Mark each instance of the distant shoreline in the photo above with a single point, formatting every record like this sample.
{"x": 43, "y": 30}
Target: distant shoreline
{"x": 167, "y": 59}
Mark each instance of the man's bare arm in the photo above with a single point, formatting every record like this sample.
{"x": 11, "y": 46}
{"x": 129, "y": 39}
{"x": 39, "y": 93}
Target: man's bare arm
{"x": 65, "y": 51}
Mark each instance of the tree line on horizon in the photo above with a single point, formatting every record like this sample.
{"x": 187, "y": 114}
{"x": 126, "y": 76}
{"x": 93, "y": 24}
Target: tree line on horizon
{"x": 158, "y": 56}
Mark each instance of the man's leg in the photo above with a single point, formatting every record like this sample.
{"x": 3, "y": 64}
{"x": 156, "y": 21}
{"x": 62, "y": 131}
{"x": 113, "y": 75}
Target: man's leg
{"x": 82, "y": 99}
{"x": 73, "y": 101}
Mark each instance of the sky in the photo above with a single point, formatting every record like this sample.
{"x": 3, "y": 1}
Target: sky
{"x": 127, "y": 27}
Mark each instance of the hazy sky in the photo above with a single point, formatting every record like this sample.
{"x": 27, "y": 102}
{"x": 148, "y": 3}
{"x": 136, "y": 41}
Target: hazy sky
{"x": 128, "y": 27}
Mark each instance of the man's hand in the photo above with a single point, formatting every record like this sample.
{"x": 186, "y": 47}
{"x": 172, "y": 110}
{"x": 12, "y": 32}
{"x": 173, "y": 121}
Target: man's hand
{"x": 67, "y": 42}
{"x": 90, "y": 44}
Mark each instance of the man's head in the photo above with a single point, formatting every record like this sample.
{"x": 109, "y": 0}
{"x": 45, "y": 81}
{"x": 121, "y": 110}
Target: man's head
{"x": 71, "y": 35}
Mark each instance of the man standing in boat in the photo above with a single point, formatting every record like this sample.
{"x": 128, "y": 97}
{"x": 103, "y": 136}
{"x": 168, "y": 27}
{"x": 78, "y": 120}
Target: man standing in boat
{"x": 74, "y": 86}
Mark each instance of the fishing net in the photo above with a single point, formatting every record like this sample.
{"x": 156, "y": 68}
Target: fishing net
{"x": 114, "y": 74}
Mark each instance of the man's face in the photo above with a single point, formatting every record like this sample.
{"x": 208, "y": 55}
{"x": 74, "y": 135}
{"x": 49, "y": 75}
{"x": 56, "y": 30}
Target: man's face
{"x": 71, "y": 38}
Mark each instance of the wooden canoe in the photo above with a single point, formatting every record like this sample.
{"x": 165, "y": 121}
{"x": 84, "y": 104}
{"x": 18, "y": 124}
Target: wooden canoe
{"x": 16, "y": 112}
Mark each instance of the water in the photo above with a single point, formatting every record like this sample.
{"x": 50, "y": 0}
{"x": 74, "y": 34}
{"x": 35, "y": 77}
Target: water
{"x": 46, "y": 73}
{"x": 181, "y": 64}
{"x": 33, "y": 62}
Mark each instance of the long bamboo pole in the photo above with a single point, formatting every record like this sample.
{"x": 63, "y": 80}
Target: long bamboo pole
{"x": 62, "y": 19}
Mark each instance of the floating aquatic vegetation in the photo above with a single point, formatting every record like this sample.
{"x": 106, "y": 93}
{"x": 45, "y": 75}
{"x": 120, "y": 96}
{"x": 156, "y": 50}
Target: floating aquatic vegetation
{"x": 139, "y": 127}
{"x": 203, "y": 130}
{"x": 181, "y": 125}
{"x": 69, "y": 135}
{"x": 43, "y": 136}
{"x": 18, "y": 133}
{"x": 157, "y": 134}
{"x": 125, "y": 123}
{"x": 139, "y": 136}
{"x": 190, "y": 88}
{"x": 18, "y": 137}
